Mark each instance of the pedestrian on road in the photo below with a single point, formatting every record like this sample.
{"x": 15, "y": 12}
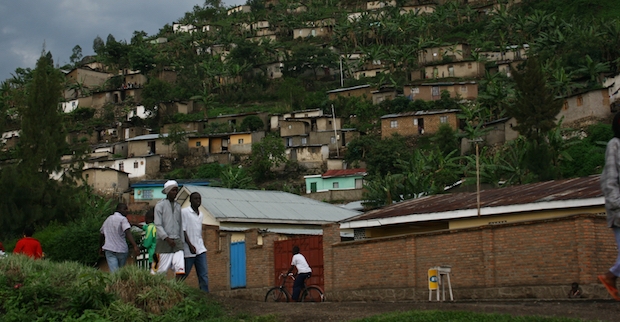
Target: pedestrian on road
{"x": 195, "y": 250}
{"x": 610, "y": 185}
{"x": 113, "y": 232}
{"x": 169, "y": 225}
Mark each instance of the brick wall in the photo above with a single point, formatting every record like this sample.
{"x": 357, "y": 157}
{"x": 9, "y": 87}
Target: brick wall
{"x": 537, "y": 259}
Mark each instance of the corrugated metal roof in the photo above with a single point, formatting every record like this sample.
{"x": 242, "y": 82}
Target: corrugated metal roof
{"x": 541, "y": 192}
{"x": 347, "y": 89}
{"x": 343, "y": 173}
{"x": 242, "y": 205}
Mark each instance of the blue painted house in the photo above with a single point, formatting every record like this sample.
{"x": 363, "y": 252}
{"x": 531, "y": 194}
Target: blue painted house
{"x": 150, "y": 190}
{"x": 345, "y": 179}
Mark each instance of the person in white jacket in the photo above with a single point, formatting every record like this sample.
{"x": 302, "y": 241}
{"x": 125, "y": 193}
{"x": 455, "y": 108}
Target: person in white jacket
{"x": 303, "y": 272}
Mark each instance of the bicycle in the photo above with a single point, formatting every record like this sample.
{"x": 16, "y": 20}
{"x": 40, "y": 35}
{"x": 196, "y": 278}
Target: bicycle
{"x": 310, "y": 293}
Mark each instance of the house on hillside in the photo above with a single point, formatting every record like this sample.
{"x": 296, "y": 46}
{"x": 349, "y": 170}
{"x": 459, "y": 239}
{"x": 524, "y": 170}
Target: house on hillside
{"x": 432, "y": 91}
{"x": 542, "y": 200}
{"x": 10, "y": 139}
{"x": 310, "y": 156}
{"x": 239, "y": 9}
{"x": 383, "y": 94}
{"x": 235, "y": 142}
{"x": 87, "y": 77}
{"x": 419, "y": 9}
{"x": 345, "y": 179}
{"x": 276, "y": 118}
{"x": 371, "y": 5}
{"x": 418, "y": 123}
{"x": 319, "y": 28}
{"x": 453, "y": 53}
{"x": 358, "y": 91}
{"x": 149, "y": 144}
{"x": 458, "y": 69}
{"x": 235, "y": 120}
{"x": 592, "y": 105}
{"x": 137, "y": 167}
{"x": 106, "y": 181}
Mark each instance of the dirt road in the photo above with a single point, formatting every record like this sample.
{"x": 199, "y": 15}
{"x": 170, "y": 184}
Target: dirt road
{"x": 588, "y": 310}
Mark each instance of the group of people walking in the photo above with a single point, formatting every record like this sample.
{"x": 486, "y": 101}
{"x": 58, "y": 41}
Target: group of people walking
{"x": 173, "y": 237}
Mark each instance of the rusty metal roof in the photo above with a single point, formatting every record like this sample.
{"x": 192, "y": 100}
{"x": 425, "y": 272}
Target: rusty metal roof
{"x": 573, "y": 191}
{"x": 344, "y": 173}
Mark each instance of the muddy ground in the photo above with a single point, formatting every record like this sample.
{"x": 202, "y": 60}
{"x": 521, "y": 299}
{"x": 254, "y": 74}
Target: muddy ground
{"x": 588, "y": 310}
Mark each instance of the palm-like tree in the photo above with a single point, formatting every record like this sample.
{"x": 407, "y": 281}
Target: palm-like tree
{"x": 593, "y": 70}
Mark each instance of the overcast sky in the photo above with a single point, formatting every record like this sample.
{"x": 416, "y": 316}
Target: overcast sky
{"x": 61, "y": 24}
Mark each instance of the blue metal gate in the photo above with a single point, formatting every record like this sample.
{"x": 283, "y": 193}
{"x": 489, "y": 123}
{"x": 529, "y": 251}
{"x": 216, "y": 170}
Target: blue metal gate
{"x": 237, "y": 264}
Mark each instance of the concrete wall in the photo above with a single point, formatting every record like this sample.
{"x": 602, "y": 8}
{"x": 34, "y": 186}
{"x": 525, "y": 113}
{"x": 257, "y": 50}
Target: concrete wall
{"x": 339, "y": 195}
{"x": 291, "y": 128}
{"x": 531, "y": 259}
{"x": 106, "y": 181}
{"x": 436, "y": 54}
{"x": 354, "y": 92}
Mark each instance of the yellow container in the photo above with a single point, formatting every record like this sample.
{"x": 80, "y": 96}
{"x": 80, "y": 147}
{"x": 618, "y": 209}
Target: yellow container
{"x": 432, "y": 279}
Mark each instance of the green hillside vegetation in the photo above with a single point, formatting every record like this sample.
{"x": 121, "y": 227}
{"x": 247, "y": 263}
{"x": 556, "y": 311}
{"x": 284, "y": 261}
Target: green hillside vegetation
{"x": 574, "y": 44}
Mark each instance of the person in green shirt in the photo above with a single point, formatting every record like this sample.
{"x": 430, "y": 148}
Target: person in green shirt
{"x": 150, "y": 237}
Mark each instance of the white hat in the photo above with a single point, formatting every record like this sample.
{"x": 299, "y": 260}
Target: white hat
{"x": 169, "y": 185}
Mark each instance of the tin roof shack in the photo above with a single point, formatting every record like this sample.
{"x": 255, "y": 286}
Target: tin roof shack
{"x": 319, "y": 28}
{"x": 243, "y": 209}
{"x": 106, "y": 181}
{"x": 118, "y": 148}
{"x": 500, "y": 132}
{"x": 358, "y": 91}
{"x": 542, "y": 200}
{"x": 417, "y": 123}
{"x": 335, "y": 141}
{"x": 432, "y": 91}
{"x": 593, "y": 105}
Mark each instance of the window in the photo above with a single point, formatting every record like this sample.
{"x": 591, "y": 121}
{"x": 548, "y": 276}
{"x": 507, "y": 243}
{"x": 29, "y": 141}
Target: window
{"x": 393, "y": 124}
{"x": 335, "y": 185}
{"x": 289, "y": 141}
{"x": 451, "y": 71}
{"x": 121, "y": 166}
{"x": 333, "y": 139}
{"x": 469, "y": 65}
{"x": 240, "y": 141}
{"x": 198, "y": 143}
{"x": 435, "y": 90}
{"x": 565, "y": 107}
{"x": 304, "y": 141}
{"x": 415, "y": 121}
{"x": 579, "y": 100}
{"x": 290, "y": 127}
{"x": 135, "y": 165}
{"x": 463, "y": 89}
{"x": 443, "y": 119}
{"x": 147, "y": 194}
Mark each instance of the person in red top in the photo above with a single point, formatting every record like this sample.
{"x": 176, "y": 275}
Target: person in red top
{"x": 28, "y": 245}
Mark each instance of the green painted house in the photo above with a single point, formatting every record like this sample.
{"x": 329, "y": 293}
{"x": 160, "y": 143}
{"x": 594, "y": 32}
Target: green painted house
{"x": 345, "y": 179}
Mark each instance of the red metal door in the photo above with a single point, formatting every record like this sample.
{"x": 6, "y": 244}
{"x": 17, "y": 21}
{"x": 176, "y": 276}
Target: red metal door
{"x": 311, "y": 247}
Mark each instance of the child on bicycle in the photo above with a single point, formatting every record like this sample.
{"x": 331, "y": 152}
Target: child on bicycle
{"x": 303, "y": 272}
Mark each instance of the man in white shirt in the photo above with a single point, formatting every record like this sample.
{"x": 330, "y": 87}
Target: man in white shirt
{"x": 195, "y": 250}
{"x": 113, "y": 232}
{"x": 303, "y": 272}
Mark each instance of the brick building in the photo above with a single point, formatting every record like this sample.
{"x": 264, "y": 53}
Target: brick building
{"x": 527, "y": 258}
{"x": 417, "y": 123}
{"x": 432, "y": 91}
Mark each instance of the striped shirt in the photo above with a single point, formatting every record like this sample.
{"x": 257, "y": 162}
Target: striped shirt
{"x": 114, "y": 231}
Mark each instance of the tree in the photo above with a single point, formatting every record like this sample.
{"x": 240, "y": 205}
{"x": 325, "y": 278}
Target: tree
{"x": 98, "y": 45}
{"x": 292, "y": 91}
{"x": 176, "y": 138}
{"x": 251, "y": 123}
{"x": 76, "y": 56}
{"x": 267, "y": 154}
{"x": 535, "y": 106}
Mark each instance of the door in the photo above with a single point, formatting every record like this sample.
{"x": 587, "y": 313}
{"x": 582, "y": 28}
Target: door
{"x": 311, "y": 247}
{"x": 312, "y": 186}
{"x": 359, "y": 184}
{"x": 237, "y": 264}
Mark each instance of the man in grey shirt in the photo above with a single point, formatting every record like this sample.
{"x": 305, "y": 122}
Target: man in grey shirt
{"x": 169, "y": 226}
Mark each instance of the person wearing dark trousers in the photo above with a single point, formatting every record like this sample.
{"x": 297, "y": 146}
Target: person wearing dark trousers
{"x": 303, "y": 272}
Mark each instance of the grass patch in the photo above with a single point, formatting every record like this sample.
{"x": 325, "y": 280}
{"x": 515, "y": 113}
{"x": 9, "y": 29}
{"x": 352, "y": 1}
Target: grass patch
{"x": 456, "y": 316}
{"x": 42, "y": 290}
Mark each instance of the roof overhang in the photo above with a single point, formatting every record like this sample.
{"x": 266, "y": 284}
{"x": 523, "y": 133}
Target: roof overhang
{"x": 472, "y": 213}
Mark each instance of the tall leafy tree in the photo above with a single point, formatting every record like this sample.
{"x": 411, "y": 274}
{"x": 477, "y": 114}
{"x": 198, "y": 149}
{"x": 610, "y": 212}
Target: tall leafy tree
{"x": 535, "y": 106}
{"x": 267, "y": 154}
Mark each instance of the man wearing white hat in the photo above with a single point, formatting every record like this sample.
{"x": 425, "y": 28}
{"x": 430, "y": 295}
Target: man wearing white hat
{"x": 169, "y": 225}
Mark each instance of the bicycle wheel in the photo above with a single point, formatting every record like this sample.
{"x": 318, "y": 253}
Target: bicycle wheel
{"x": 312, "y": 294}
{"x": 276, "y": 294}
